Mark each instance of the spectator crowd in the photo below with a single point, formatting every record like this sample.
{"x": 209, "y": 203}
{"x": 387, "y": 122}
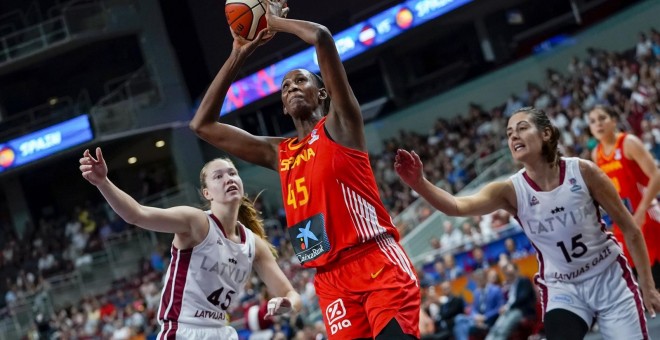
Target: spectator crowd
{"x": 502, "y": 298}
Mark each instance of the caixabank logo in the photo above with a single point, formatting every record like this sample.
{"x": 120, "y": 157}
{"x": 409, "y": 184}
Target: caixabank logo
{"x": 309, "y": 238}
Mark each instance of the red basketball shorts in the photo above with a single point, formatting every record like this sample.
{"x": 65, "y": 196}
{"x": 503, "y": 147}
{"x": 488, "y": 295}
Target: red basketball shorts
{"x": 366, "y": 287}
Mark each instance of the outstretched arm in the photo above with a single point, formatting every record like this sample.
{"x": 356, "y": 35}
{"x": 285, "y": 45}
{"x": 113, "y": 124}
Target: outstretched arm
{"x": 180, "y": 219}
{"x": 605, "y": 194}
{"x": 345, "y": 121}
{"x": 494, "y": 196}
{"x": 286, "y": 299}
{"x": 242, "y": 144}
{"x": 636, "y": 151}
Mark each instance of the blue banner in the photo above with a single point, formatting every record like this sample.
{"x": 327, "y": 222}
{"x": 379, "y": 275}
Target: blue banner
{"x": 350, "y": 42}
{"x": 45, "y": 142}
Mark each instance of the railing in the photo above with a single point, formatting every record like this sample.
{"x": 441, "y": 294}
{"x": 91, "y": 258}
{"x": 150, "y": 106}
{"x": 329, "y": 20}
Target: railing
{"x": 116, "y": 111}
{"x": 83, "y": 17}
{"x": 37, "y": 116}
{"x": 66, "y": 22}
{"x": 23, "y": 313}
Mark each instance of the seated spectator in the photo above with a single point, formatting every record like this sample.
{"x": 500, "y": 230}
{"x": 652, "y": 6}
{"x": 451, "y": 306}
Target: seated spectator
{"x": 503, "y": 260}
{"x": 426, "y": 323}
{"x": 471, "y": 236}
{"x": 521, "y": 303}
{"x": 478, "y": 260}
{"x": 451, "y": 238}
{"x": 644, "y": 47}
{"x": 11, "y": 298}
{"x": 435, "y": 243}
{"x": 450, "y": 306}
{"x": 513, "y": 251}
{"x": 485, "y": 224}
{"x": 438, "y": 273}
{"x": 487, "y": 301}
{"x": 47, "y": 263}
{"x": 452, "y": 271}
{"x": 493, "y": 277}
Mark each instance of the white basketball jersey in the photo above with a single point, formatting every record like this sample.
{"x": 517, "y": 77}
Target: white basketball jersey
{"x": 203, "y": 281}
{"x": 564, "y": 226}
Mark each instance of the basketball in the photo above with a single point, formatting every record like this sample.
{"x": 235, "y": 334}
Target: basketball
{"x": 246, "y": 17}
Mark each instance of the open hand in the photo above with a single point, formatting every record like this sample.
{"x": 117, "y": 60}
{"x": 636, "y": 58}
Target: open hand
{"x": 409, "y": 167}
{"x": 276, "y": 9}
{"x": 651, "y": 300}
{"x": 93, "y": 170}
{"x": 278, "y": 306}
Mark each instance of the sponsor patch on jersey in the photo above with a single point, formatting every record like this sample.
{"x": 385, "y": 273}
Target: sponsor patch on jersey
{"x": 575, "y": 187}
{"x": 534, "y": 201}
{"x": 561, "y": 298}
{"x": 315, "y": 137}
{"x": 309, "y": 238}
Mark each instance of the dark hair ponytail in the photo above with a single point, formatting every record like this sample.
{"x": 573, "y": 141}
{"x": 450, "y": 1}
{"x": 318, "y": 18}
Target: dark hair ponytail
{"x": 249, "y": 216}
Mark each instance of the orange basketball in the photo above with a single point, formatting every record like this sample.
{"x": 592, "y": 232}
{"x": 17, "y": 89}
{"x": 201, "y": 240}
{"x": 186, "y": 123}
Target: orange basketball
{"x": 246, "y": 17}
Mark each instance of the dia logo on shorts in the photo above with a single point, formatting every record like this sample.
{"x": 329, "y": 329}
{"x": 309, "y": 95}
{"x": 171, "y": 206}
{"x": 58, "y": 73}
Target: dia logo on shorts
{"x": 334, "y": 313}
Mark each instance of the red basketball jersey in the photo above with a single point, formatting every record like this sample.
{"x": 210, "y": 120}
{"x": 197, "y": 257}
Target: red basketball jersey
{"x": 630, "y": 182}
{"x": 626, "y": 175}
{"x": 330, "y": 197}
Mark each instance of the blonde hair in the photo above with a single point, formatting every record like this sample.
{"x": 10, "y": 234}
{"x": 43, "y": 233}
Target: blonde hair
{"x": 247, "y": 213}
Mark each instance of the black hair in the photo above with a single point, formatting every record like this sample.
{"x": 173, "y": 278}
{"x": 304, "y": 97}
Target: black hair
{"x": 320, "y": 84}
{"x": 608, "y": 111}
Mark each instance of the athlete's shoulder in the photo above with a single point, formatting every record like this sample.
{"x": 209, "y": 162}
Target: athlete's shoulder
{"x": 592, "y": 175}
{"x": 583, "y": 164}
{"x": 631, "y": 146}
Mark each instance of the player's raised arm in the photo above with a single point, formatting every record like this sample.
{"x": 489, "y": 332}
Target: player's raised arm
{"x": 173, "y": 220}
{"x": 494, "y": 196}
{"x": 242, "y": 144}
{"x": 344, "y": 119}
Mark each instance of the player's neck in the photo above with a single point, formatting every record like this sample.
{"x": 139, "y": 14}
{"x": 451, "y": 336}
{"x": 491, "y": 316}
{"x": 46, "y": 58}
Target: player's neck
{"x": 228, "y": 217}
{"x": 545, "y": 175}
{"x": 305, "y": 126}
{"x": 609, "y": 140}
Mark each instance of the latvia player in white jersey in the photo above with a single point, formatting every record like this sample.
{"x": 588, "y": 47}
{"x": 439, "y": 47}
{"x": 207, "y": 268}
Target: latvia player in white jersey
{"x": 213, "y": 252}
{"x": 582, "y": 273}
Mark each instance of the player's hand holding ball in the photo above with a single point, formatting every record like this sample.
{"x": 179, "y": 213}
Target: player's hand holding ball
{"x": 278, "y": 306}
{"x": 248, "y": 22}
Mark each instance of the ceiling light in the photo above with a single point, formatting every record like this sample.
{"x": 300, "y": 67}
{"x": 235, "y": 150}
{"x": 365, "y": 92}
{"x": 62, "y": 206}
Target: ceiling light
{"x": 132, "y": 160}
{"x": 160, "y": 143}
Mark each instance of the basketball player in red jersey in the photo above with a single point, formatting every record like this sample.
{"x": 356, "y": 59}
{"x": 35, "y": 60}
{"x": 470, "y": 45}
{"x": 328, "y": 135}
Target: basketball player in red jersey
{"x": 635, "y": 176}
{"x": 366, "y": 285}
